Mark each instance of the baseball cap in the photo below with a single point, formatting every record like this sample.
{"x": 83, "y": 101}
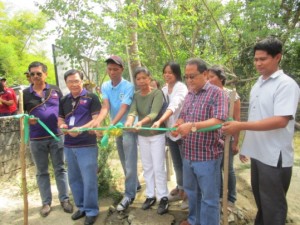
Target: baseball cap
{"x": 115, "y": 59}
{"x": 2, "y": 78}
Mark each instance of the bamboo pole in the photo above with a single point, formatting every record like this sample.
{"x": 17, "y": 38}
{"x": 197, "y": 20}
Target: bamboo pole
{"x": 23, "y": 159}
{"x": 226, "y": 162}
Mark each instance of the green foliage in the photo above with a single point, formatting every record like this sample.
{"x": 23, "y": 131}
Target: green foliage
{"x": 154, "y": 32}
{"x": 290, "y": 61}
{"x": 105, "y": 175}
{"x": 19, "y": 35}
{"x": 106, "y": 179}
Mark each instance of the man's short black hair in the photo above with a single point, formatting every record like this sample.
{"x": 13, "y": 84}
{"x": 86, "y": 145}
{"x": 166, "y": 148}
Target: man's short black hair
{"x": 37, "y": 64}
{"x": 73, "y": 72}
{"x": 201, "y": 65}
{"x": 271, "y": 45}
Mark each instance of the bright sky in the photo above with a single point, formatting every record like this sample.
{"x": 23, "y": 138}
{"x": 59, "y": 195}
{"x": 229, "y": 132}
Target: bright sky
{"x": 16, "y": 5}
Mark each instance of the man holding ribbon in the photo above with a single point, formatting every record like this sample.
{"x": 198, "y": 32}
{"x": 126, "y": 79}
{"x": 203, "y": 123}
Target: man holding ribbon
{"x": 117, "y": 98}
{"x": 205, "y": 105}
{"x": 41, "y": 100}
{"x": 269, "y": 133}
{"x": 77, "y": 110}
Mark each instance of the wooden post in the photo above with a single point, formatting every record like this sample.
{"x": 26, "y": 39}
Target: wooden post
{"x": 23, "y": 159}
{"x": 226, "y": 162}
{"x": 168, "y": 163}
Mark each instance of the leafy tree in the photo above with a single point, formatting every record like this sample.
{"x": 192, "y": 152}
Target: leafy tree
{"x": 19, "y": 36}
{"x": 151, "y": 33}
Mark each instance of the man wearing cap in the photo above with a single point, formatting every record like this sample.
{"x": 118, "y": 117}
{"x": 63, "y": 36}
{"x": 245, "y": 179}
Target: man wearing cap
{"x": 42, "y": 100}
{"x": 117, "y": 98}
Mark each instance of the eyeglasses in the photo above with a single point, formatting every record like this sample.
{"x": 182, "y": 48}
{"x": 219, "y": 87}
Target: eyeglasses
{"x": 37, "y": 73}
{"x": 73, "y": 81}
{"x": 190, "y": 76}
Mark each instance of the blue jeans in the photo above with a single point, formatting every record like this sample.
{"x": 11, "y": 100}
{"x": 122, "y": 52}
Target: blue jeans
{"x": 40, "y": 151}
{"x": 231, "y": 177}
{"x": 127, "y": 149}
{"x": 82, "y": 173}
{"x": 175, "y": 150}
{"x": 201, "y": 182}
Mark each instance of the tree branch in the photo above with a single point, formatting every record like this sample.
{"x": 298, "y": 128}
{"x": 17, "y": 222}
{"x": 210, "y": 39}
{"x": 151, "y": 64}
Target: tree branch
{"x": 164, "y": 36}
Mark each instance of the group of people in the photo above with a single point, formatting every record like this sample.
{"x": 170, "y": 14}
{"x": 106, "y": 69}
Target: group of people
{"x": 268, "y": 138}
{"x": 197, "y": 156}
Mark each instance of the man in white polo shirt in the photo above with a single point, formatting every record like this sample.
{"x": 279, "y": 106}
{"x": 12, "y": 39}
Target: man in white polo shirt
{"x": 269, "y": 133}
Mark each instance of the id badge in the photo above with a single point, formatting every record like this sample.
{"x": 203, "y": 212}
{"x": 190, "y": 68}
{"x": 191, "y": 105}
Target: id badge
{"x": 72, "y": 121}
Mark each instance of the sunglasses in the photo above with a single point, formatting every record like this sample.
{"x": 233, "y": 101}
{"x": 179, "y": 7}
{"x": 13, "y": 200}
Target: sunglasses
{"x": 37, "y": 73}
{"x": 191, "y": 76}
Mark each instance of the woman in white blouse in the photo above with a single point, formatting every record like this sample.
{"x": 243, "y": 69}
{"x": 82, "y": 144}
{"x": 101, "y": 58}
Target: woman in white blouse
{"x": 175, "y": 92}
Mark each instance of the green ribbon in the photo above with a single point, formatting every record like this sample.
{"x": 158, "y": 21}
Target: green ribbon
{"x": 105, "y": 138}
{"x": 212, "y": 128}
{"x": 48, "y": 130}
{"x": 121, "y": 126}
{"x": 26, "y": 126}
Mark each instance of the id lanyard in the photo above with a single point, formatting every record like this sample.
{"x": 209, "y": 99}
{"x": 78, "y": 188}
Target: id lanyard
{"x": 74, "y": 105}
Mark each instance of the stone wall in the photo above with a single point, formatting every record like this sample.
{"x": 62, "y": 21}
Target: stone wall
{"x": 10, "y": 146}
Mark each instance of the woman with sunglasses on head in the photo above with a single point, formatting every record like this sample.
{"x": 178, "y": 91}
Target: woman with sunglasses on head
{"x": 175, "y": 92}
{"x": 216, "y": 76}
{"x": 146, "y": 105}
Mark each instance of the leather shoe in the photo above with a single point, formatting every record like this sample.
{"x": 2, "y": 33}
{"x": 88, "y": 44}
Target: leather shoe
{"x": 67, "y": 206}
{"x": 45, "y": 210}
{"x": 89, "y": 220}
{"x": 77, "y": 215}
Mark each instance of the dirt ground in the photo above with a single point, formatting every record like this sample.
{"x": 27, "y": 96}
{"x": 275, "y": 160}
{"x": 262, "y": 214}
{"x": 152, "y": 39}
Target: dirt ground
{"x": 11, "y": 201}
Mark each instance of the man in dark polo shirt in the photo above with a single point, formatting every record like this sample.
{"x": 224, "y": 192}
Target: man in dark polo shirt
{"x": 41, "y": 100}
{"x": 78, "y": 109}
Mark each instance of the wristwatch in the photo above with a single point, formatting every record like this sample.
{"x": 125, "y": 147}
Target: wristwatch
{"x": 194, "y": 128}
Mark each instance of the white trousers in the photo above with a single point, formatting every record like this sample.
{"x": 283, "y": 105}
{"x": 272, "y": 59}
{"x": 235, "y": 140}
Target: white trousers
{"x": 153, "y": 158}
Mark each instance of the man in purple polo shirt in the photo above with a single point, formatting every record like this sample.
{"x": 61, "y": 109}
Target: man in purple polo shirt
{"x": 41, "y": 100}
{"x": 78, "y": 109}
{"x": 205, "y": 105}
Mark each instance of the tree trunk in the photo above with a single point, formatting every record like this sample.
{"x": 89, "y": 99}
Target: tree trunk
{"x": 133, "y": 50}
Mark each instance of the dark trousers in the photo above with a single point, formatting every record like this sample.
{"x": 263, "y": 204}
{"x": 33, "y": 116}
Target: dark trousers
{"x": 269, "y": 186}
{"x": 175, "y": 150}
